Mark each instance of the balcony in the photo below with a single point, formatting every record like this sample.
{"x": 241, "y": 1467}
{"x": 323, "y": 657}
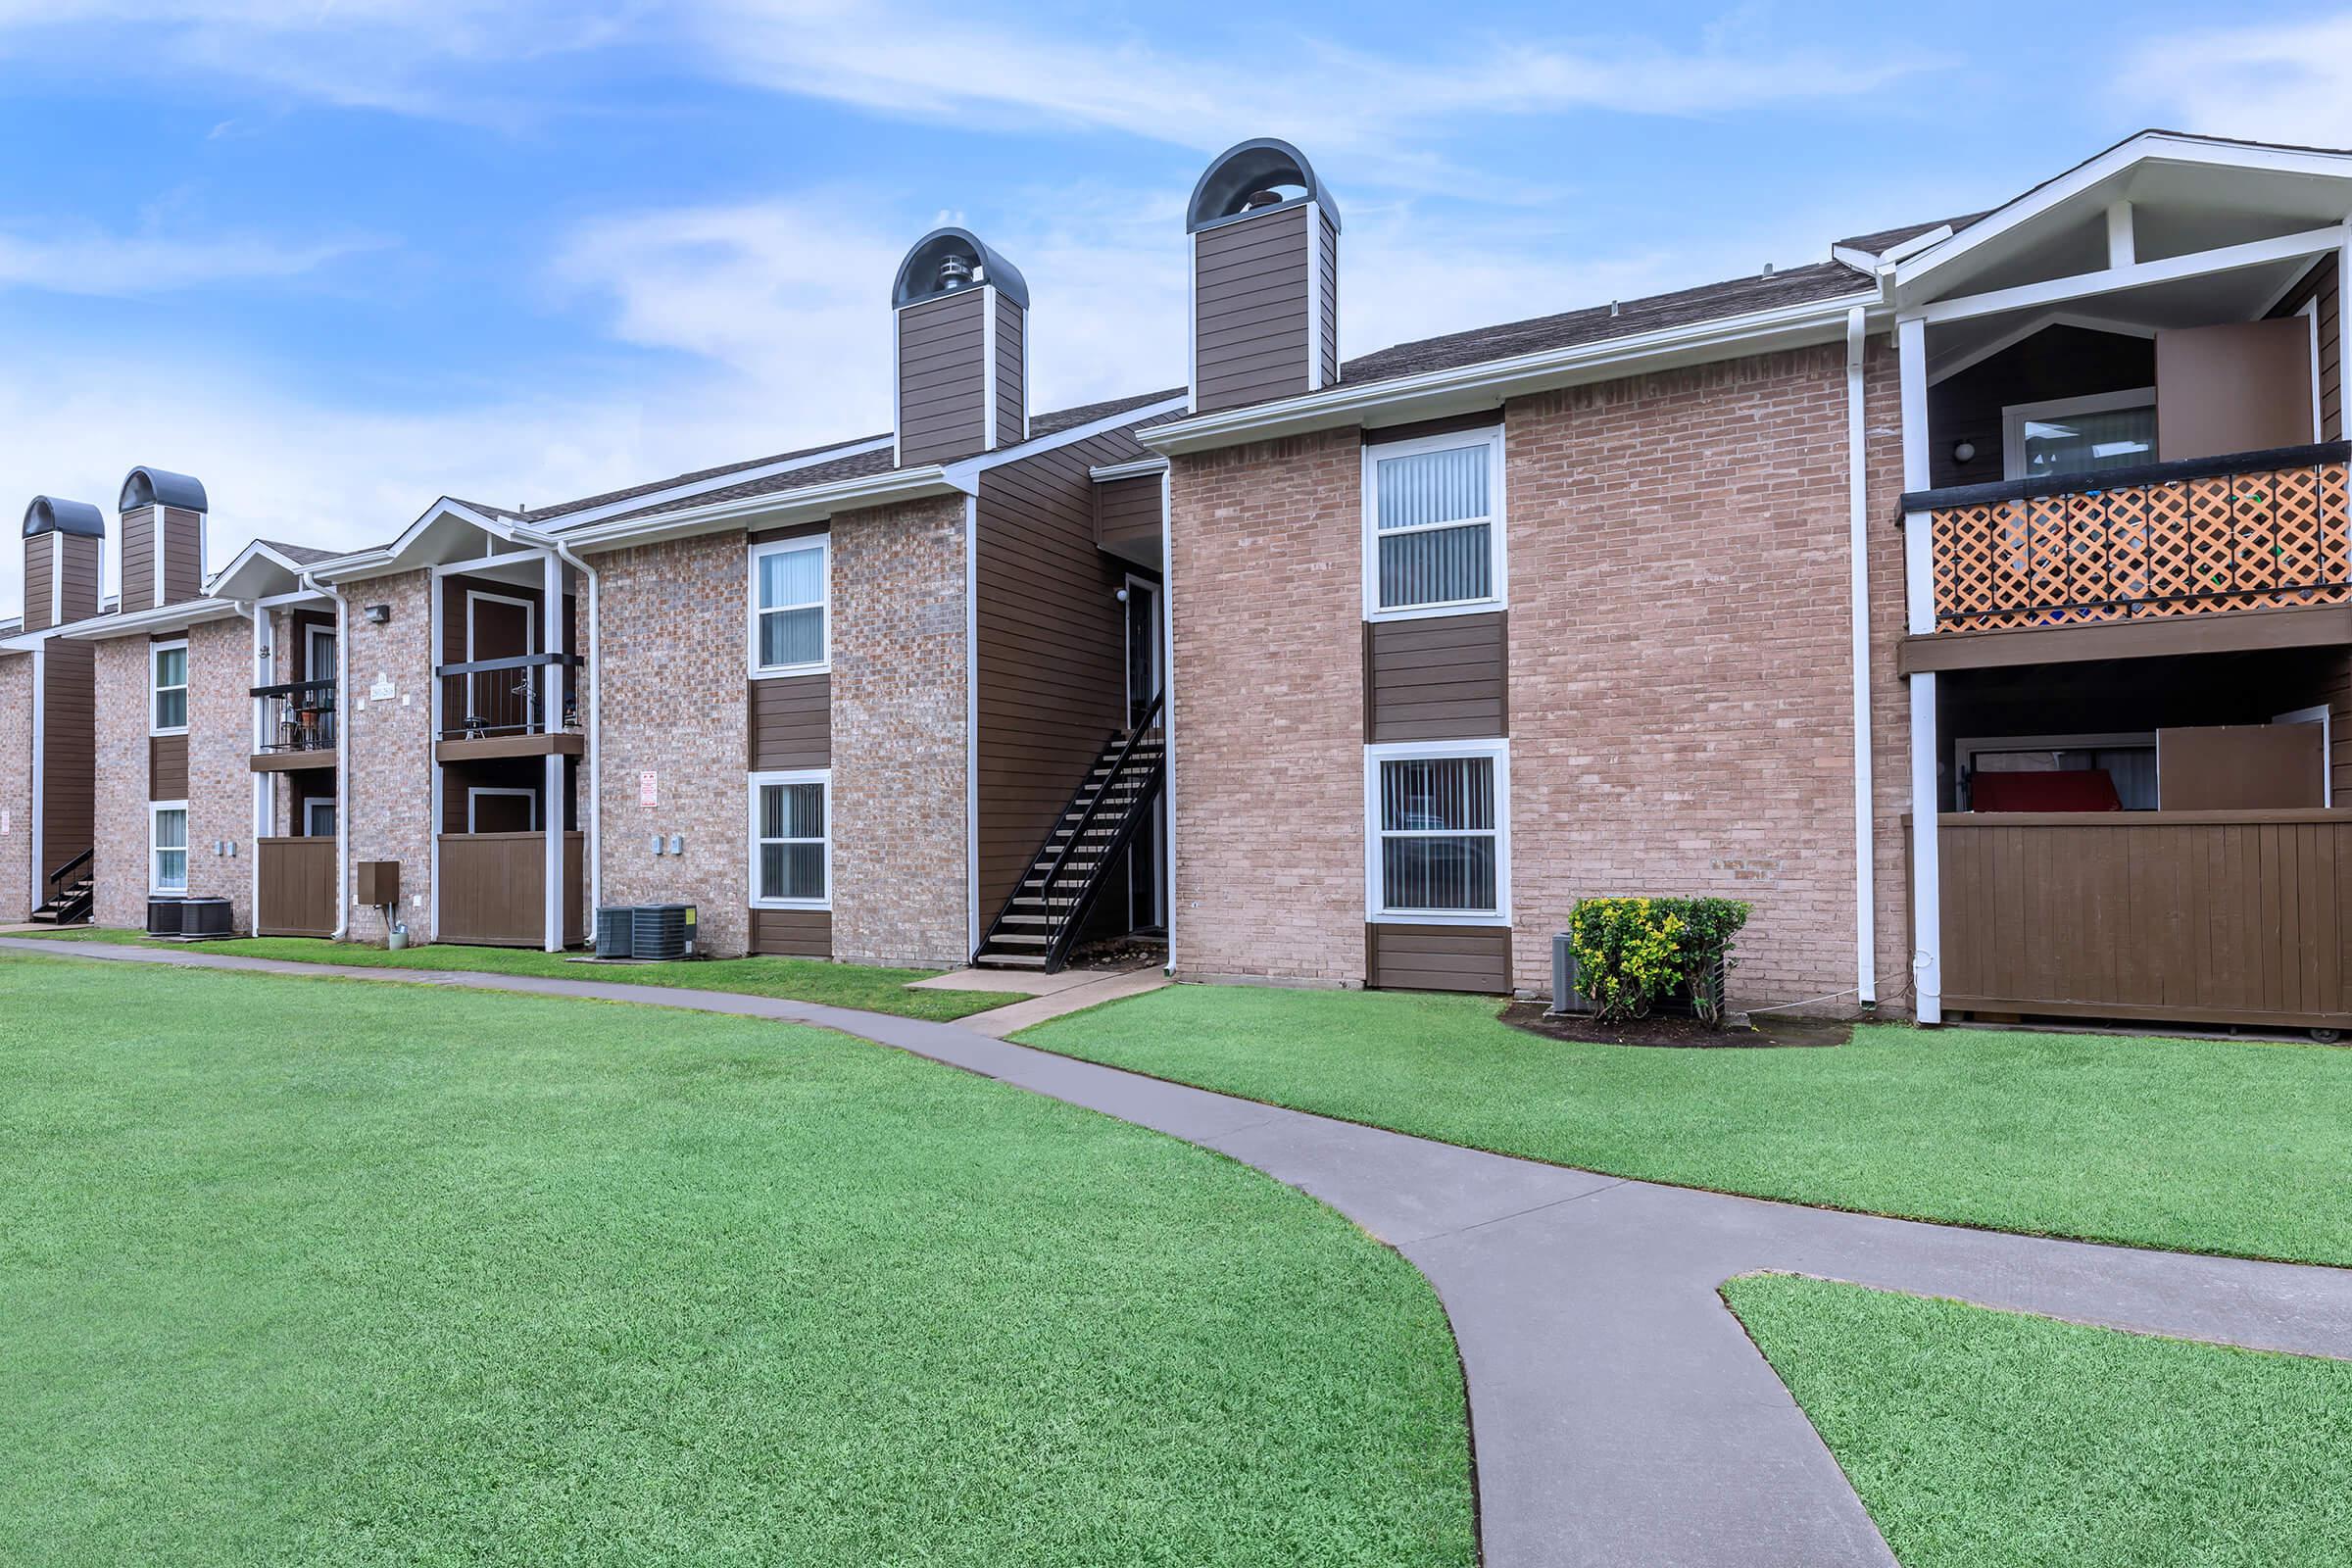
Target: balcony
{"x": 297, "y": 727}
{"x": 525, "y": 706}
{"x": 2191, "y": 544}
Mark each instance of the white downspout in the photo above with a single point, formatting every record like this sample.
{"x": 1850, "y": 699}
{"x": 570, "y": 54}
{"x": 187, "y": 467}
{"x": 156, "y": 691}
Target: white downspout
{"x": 595, "y": 848}
{"x": 1865, "y": 890}
{"x": 1167, "y": 706}
{"x": 344, "y": 711}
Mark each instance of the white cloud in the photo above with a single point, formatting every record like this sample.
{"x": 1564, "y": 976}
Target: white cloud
{"x": 81, "y": 258}
{"x": 2287, "y": 82}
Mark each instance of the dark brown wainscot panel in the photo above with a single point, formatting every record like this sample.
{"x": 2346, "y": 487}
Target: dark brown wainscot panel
{"x": 1441, "y": 679}
{"x": 1438, "y": 958}
{"x": 793, "y": 933}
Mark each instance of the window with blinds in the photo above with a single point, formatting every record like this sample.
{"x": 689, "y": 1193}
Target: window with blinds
{"x": 791, "y": 840}
{"x": 1438, "y": 830}
{"x": 1433, "y": 540}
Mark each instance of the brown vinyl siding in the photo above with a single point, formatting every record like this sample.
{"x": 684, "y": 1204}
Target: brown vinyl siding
{"x": 943, "y": 381}
{"x": 1011, "y": 389}
{"x": 1052, "y": 648}
{"x": 793, "y": 933}
{"x": 2057, "y": 361}
{"x": 68, "y": 759}
{"x": 453, "y": 617}
{"x": 40, "y": 554}
{"x": 1438, "y": 958}
{"x": 1251, "y": 303}
{"x": 2322, "y": 280}
{"x": 183, "y": 556}
{"x": 2204, "y": 917}
{"x": 81, "y": 558}
{"x": 1127, "y": 511}
{"x": 138, "y": 559}
{"x": 1441, "y": 678}
{"x": 791, "y": 724}
{"x": 167, "y": 767}
{"x": 1330, "y": 301}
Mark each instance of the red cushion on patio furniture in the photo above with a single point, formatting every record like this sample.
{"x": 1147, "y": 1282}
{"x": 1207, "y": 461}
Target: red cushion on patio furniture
{"x": 2082, "y": 789}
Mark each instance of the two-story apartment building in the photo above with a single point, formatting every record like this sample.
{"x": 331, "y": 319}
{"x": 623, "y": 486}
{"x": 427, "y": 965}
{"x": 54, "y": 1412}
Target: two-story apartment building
{"x": 1973, "y": 602}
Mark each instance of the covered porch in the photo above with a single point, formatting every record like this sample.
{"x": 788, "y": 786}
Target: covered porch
{"x": 2128, "y": 592}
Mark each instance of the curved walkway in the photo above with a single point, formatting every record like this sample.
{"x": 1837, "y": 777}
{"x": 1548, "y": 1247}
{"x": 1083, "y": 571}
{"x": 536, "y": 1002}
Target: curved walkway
{"x": 1619, "y": 1411}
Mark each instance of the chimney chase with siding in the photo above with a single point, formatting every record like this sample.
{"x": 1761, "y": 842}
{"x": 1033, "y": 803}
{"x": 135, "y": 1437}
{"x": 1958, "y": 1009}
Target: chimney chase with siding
{"x": 63, "y": 543}
{"x": 163, "y": 538}
{"x": 1265, "y": 238}
{"x": 961, "y": 322}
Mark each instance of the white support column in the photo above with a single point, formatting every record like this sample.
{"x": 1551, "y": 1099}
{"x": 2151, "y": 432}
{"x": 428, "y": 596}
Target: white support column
{"x": 1167, "y": 710}
{"x": 1857, "y": 479}
{"x": 2343, "y": 337}
{"x": 2122, "y": 249}
{"x": 1919, "y": 603}
{"x": 550, "y": 719}
{"x": 264, "y": 784}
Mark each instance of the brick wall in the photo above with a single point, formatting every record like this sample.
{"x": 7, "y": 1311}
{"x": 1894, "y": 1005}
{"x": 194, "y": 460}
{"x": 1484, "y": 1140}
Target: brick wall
{"x": 1268, "y": 718}
{"x": 672, "y": 683}
{"x": 1680, "y": 690}
{"x": 16, "y": 786}
{"x": 899, "y": 745}
{"x": 119, "y": 816}
{"x": 219, "y": 777}
{"x": 387, "y": 746}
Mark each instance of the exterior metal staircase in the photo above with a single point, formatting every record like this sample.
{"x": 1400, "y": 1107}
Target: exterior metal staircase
{"x": 1049, "y": 908}
{"x": 69, "y": 893}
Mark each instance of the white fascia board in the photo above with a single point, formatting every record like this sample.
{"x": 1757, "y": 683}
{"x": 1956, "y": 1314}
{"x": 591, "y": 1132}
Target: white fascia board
{"x": 585, "y": 516}
{"x": 256, "y": 552}
{"x": 1874, "y": 261}
{"x": 387, "y": 559}
{"x": 966, "y": 474}
{"x": 2114, "y": 280}
{"x": 1486, "y": 384}
{"x": 162, "y": 617}
{"x": 785, "y": 507}
{"x": 2147, "y": 147}
{"x": 1140, "y": 468}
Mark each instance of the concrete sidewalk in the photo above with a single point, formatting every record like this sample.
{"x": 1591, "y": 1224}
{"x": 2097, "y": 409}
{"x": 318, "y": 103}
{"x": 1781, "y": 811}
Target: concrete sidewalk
{"x": 1621, "y": 1414}
{"x": 1048, "y": 996}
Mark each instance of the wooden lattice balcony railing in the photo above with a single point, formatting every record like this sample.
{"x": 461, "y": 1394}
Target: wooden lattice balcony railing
{"x": 2258, "y": 530}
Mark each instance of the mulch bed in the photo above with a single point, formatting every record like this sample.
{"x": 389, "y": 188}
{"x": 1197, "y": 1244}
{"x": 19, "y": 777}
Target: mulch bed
{"x": 1672, "y": 1030}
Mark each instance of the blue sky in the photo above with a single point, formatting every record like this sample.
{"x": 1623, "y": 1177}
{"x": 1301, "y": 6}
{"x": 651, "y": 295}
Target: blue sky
{"x": 341, "y": 258}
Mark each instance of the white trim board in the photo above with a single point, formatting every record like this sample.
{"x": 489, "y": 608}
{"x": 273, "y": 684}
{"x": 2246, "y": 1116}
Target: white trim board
{"x": 755, "y": 782}
{"x": 1499, "y": 753}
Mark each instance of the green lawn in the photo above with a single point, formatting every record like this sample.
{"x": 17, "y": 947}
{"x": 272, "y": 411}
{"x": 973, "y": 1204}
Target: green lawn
{"x": 839, "y": 984}
{"x": 311, "y": 1271}
{"x": 1992, "y": 1439}
{"x": 2197, "y": 1144}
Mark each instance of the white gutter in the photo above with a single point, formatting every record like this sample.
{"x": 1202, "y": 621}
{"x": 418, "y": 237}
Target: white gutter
{"x": 581, "y": 517}
{"x": 343, "y": 715}
{"x": 1464, "y": 388}
{"x": 596, "y": 711}
{"x": 177, "y": 616}
{"x": 1857, "y": 479}
{"x": 783, "y": 506}
{"x": 1140, "y": 468}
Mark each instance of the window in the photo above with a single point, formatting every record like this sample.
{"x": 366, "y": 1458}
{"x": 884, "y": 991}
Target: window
{"x": 1439, "y": 845}
{"x": 2080, "y": 435}
{"x": 790, "y": 587}
{"x": 319, "y": 817}
{"x": 792, "y": 846}
{"x": 167, "y": 710}
{"x": 168, "y": 847}
{"x": 1433, "y": 526}
{"x": 490, "y": 809}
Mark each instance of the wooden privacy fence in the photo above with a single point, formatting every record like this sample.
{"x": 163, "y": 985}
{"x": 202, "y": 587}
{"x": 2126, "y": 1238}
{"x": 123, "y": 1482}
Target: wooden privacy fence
{"x": 493, "y": 885}
{"x": 2195, "y": 916}
{"x": 298, "y": 888}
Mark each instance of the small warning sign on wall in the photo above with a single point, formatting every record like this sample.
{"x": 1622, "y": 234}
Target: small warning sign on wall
{"x": 648, "y": 789}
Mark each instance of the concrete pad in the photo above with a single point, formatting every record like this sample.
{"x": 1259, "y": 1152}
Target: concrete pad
{"x": 1104, "y": 986}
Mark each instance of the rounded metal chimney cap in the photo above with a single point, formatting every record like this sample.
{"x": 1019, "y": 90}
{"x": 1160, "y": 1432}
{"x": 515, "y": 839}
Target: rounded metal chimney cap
{"x": 1242, "y": 173}
{"x": 161, "y": 487}
{"x": 919, "y": 277}
{"x": 78, "y": 518}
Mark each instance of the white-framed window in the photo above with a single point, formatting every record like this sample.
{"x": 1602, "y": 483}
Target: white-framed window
{"x": 791, "y": 606}
{"x": 1437, "y": 832}
{"x": 504, "y": 810}
{"x": 1434, "y": 525}
{"x": 791, "y": 840}
{"x": 2079, "y": 435}
{"x": 319, "y": 816}
{"x": 167, "y": 846}
{"x": 167, "y": 688}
